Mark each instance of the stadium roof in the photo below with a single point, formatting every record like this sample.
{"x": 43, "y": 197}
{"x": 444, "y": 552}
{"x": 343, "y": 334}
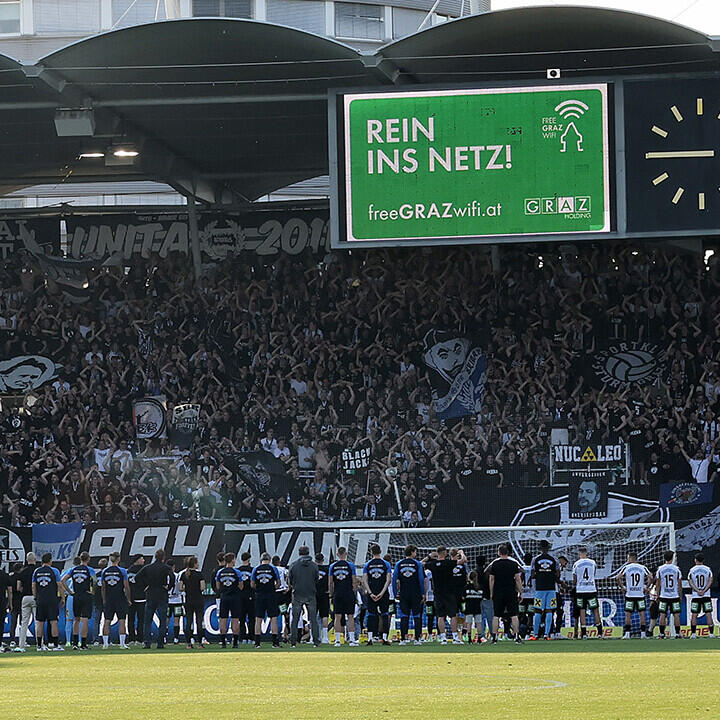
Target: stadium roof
{"x": 228, "y": 110}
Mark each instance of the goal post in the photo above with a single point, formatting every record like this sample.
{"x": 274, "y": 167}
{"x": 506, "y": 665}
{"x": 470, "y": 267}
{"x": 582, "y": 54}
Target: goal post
{"x": 608, "y": 544}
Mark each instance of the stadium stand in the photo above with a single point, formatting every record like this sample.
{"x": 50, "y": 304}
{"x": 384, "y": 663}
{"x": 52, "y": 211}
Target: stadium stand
{"x": 303, "y": 357}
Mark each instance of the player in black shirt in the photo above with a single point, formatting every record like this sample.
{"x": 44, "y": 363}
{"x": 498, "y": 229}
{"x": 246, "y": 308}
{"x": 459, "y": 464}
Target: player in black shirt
{"x": 192, "y": 584}
{"x": 446, "y": 604}
{"x": 220, "y": 564}
{"x": 247, "y": 603}
{"x": 460, "y": 576}
{"x": 6, "y": 596}
{"x": 376, "y": 578}
{"x": 323, "y": 595}
{"x": 15, "y": 605}
{"x": 136, "y": 610}
{"x": 505, "y": 579}
{"x": 545, "y": 573}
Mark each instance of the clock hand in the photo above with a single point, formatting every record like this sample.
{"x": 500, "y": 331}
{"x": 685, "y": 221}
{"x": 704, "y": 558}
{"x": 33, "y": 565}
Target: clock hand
{"x": 680, "y": 154}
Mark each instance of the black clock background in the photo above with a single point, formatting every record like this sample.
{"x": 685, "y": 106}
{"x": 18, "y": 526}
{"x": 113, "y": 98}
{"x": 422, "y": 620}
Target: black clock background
{"x": 648, "y": 103}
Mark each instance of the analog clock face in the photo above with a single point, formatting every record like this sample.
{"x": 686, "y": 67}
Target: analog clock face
{"x": 673, "y": 155}
{"x": 662, "y": 161}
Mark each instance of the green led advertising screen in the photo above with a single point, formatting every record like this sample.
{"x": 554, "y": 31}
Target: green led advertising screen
{"x": 453, "y": 164}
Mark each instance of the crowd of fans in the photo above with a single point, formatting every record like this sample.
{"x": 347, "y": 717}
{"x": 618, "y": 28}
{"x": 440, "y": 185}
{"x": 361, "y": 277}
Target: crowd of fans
{"x": 307, "y": 356}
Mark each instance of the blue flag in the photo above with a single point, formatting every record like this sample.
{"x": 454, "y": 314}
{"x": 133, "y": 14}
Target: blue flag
{"x": 62, "y": 541}
{"x": 683, "y": 494}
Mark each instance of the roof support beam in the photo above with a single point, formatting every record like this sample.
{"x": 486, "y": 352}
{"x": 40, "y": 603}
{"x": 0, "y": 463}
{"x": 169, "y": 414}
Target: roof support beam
{"x": 156, "y": 158}
{"x": 384, "y": 69}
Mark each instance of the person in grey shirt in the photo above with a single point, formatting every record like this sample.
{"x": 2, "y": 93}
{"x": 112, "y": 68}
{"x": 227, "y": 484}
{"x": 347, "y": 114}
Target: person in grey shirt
{"x": 303, "y": 579}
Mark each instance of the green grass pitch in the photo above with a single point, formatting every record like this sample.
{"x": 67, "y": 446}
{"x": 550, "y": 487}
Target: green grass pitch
{"x": 562, "y": 680}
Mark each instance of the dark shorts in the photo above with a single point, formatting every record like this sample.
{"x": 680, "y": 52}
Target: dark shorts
{"x": 701, "y": 605}
{"x": 266, "y": 605}
{"x": 525, "y": 606}
{"x": 47, "y": 610}
{"x": 672, "y": 605}
{"x": 505, "y": 603}
{"x": 230, "y": 605}
{"x": 430, "y": 608}
{"x": 344, "y": 604}
{"x": 284, "y": 599}
{"x": 116, "y": 607}
{"x": 632, "y": 604}
{"x": 83, "y": 605}
{"x": 473, "y": 606}
{"x": 379, "y": 607}
{"x": 410, "y": 606}
{"x": 176, "y": 610}
{"x": 323, "y": 605}
{"x": 587, "y": 601}
{"x": 446, "y": 605}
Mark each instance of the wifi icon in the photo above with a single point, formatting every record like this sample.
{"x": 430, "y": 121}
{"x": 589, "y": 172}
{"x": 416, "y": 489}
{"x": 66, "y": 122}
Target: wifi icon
{"x": 571, "y": 109}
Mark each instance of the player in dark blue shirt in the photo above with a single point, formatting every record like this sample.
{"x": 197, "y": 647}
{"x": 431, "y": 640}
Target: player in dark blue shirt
{"x": 229, "y": 583}
{"x": 46, "y": 585}
{"x": 377, "y": 575}
{"x": 342, "y": 585}
{"x": 265, "y": 580}
{"x": 82, "y": 579}
{"x": 115, "y": 589}
{"x": 409, "y": 589}
{"x": 247, "y": 604}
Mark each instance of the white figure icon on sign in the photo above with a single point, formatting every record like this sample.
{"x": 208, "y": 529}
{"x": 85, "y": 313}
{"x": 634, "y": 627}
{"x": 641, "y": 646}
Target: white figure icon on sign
{"x": 571, "y": 134}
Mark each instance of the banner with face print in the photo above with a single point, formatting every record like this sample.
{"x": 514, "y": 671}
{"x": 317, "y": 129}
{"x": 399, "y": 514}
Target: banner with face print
{"x": 23, "y": 373}
{"x": 457, "y": 373}
{"x": 588, "y": 494}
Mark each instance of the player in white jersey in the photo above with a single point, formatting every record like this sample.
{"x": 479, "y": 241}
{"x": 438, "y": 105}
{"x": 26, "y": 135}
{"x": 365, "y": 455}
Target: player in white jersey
{"x": 668, "y": 587}
{"x": 429, "y": 603}
{"x": 635, "y": 580}
{"x": 700, "y": 578}
{"x": 176, "y": 605}
{"x": 586, "y": 597}
{"x": 283, "y": 597}
{"x": 527, "y": 601}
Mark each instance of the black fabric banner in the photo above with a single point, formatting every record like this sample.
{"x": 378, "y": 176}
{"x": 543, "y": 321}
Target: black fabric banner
{"x": 178, "y": 540}
{"x": 268, "y": 231}
{"x": 28, "y": 234}
{"x": 261, "y": 471}
{"x": 285, "y": 539}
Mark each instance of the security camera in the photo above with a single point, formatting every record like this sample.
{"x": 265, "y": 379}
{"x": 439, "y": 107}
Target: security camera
{"x": 553, "y": 73}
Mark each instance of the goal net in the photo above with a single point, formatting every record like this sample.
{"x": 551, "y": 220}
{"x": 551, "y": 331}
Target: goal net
{"x": 607, "y": 544}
